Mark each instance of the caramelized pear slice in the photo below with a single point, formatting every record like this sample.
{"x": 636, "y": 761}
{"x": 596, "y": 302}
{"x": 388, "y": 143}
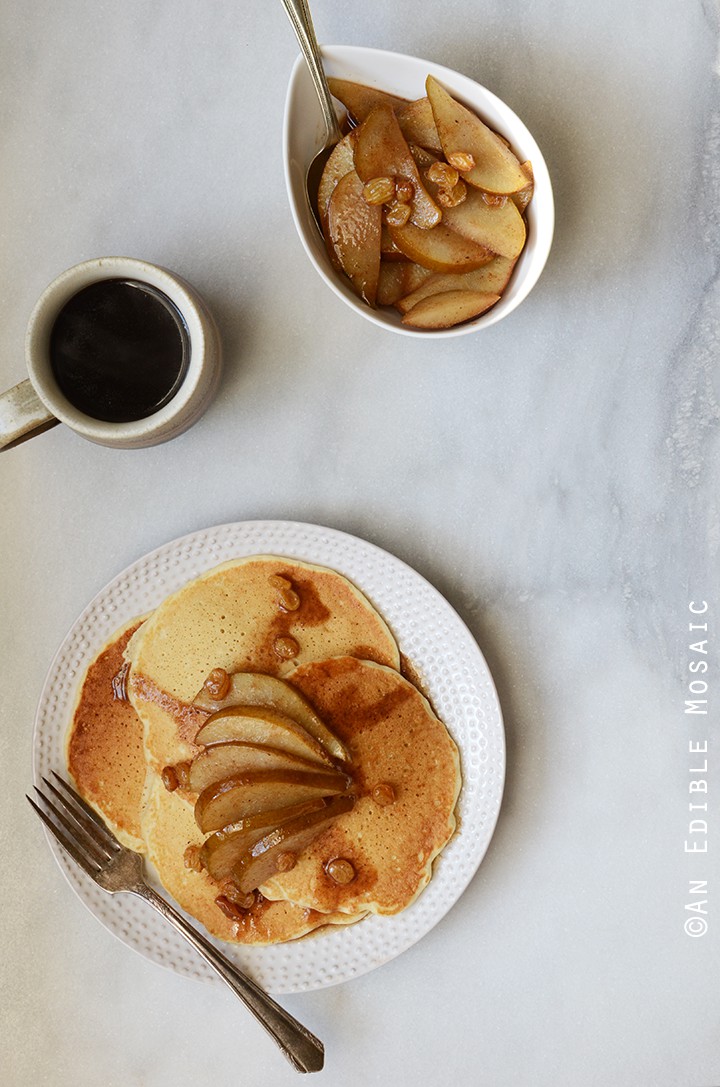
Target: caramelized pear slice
{"x": 448, "y": 309}
{"x": 417, "y": 124}
{"x": 391, "y": 285}
{"x": 360, "y": 100}
{"x": 223, "y": 849}
{"x": 415, "y": 118}
{"x": 500, "y": 229}
{"x": 235, "y": 798}
{"x": 260, "y": 861}
{"x": 492, "y": 278}
{"x": 388, "y": 249}
{"x": 234, "y": 758}
{"x": 496, "y": 168}
{"x": 340, "y": 163}
{"x": 439, "y": 249}
{"x": 258, "y": 689}
{"x": 264, "y": 727}
{"x": 353, "y": 236}
{"x": 524, "y": 196}
{"x": 398, "y": 279}
{"x": 382, "y": 151}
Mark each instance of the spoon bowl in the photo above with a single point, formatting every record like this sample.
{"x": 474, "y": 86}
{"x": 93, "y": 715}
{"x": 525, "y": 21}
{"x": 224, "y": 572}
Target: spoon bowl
{"x": 304, "y": 134}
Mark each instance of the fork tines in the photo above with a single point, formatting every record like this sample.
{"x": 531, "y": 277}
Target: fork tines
{"x": 76, "y": 826}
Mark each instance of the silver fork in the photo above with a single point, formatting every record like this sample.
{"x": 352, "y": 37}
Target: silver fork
{"x": 83, "y": 834}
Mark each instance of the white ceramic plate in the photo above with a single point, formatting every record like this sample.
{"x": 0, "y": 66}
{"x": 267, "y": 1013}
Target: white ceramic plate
{"x": 453, "y": 672}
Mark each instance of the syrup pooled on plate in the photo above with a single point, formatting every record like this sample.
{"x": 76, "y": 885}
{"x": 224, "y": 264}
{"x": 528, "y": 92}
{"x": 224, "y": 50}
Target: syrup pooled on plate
{"x": 119, "y": 350}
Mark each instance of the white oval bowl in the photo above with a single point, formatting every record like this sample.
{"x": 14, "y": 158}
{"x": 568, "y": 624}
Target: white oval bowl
{"x": 405, "y": 76}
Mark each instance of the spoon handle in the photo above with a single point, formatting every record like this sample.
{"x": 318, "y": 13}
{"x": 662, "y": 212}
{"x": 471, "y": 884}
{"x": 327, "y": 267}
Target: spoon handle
{"x": 299, "y": 15}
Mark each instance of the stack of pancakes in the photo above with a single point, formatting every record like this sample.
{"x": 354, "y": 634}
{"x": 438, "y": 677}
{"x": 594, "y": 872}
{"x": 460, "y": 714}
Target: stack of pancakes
{"x": 346, "y": 664}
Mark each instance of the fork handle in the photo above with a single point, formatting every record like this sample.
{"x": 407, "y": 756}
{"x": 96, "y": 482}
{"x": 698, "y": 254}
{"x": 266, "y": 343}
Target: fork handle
{"x": 304, "y": 1051}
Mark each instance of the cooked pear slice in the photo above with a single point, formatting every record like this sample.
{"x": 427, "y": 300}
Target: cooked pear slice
{"x": 492, "y": 278}
{"x": 337, "y": 166}
{"x": 388, "y": 249}
{"x": 236, "y": 798}
{"x": 360, "y": 100}
{"x": 236, "y": 757}
{"x": 353, "y": 236}
{"x": 382, "y": 151}
{"x": 500, "y": 229}
{"x": 398, "y": 279}
{"x": 422, "y": 156}
{"x": 523, "y": 198}
{"x": 259, "y": 689}
{"x": 391, "y": 283}
{"x": 496, "y": 168}
{"x": 449, "y": 308}
{"x": 439, "y": 249}
{"x": 415, "y": 118}
{"x": 260, "y": 862}
{"x": 417, "y": 124}
{"x": 222, "y": 850}
{"x": 264, "y": 727}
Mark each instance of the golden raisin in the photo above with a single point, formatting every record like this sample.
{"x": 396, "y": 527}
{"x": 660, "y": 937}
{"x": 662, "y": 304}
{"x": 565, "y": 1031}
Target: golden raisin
{"x": 461, "y": 160}
{"x": 494, "y": 200}
{"x": 232, "y": 911}
{"x": 450, "y": 198}
{"x": 118, "y": 684}
{"x": 383, "y": 794}
{"x": 170, "y": 778}
{"x": 397, "y": 214}
{"x": 404, "y": 190}
{"x": 217, "y": 684}
{"x": 191, "y": 858}
{"x": 279, "y": 582}
{"x": 182, "y": 773}
{"x": 379, "y": 190}
{"x": 244, "y": 900}
{"x": 286, "y": 647}
{"x": 286, "y": 861}
{"x": 443, "y": 174}
{"x": 289, "y": 600}
{"x": 340, "y": 870}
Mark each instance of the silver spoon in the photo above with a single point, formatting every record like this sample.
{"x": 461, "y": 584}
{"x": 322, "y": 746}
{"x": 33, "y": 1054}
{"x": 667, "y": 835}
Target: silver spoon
{"x": 299, "y": 15}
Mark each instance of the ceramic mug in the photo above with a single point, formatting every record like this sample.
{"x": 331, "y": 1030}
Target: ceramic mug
{"x": 39, "y": 401}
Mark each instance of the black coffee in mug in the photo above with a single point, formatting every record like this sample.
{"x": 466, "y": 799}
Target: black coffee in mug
{"x": 119, "y": 350}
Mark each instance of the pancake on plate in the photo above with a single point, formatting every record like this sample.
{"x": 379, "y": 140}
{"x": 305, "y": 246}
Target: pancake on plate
{"x": 259, "y": 614}
{"x": 104, "y": 748}
{"x": 267, "y": 618}
{"x": 105, "y": 756}
{"x": 406, "y": 771}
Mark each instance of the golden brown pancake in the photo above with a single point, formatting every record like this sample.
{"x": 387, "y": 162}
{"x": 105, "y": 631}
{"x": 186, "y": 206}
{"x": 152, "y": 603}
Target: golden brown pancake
{"x": 105, "y": 744}
{"x": 106, "y": 759}
{"x": 169, "y": 827}
{"x": 236, "y": 616}
{"x": 395, "y": 740}
{"x": 231, "y": 618}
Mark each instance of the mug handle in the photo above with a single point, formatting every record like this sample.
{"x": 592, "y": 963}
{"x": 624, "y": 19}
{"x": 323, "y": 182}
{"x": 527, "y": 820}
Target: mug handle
{"x": 22, "y": 413}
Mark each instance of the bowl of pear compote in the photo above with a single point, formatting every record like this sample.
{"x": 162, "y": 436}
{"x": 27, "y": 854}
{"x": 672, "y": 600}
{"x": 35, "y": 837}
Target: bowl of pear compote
{"x": 434, "y": 214}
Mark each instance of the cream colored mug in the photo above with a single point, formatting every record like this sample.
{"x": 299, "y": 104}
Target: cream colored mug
{"x": 39, "y": 400}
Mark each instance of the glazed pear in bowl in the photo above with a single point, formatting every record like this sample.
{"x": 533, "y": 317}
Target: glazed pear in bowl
{"x": 441, "y": 246}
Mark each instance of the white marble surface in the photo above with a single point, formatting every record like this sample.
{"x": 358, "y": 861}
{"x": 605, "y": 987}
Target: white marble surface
{"x": 555, "y": 478}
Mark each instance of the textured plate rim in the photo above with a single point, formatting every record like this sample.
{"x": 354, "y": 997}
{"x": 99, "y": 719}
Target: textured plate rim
{"x": 412, "y": 607}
